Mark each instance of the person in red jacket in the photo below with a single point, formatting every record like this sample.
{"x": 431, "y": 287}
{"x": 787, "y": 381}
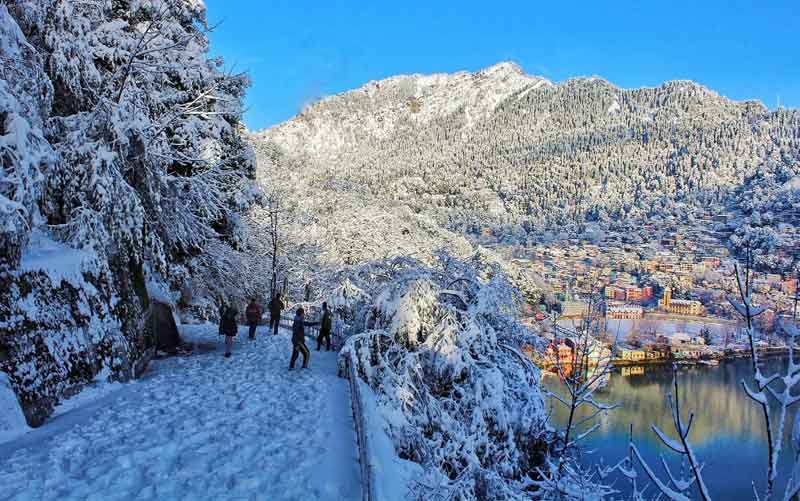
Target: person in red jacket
{"x": 253, "y": 314}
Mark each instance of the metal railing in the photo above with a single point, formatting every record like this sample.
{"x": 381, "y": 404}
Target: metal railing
{"x": 367, "y": 471}
{"x": 287, "y": 324}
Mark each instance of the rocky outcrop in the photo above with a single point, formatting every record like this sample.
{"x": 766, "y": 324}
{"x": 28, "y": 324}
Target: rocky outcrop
{"x": 67, "y": 318}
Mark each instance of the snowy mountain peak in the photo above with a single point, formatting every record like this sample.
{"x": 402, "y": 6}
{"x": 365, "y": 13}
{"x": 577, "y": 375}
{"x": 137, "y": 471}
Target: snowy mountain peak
{"x": 450, "y": 109}
{"x": 375, "y": 110}
{"x": 502, "y": 69}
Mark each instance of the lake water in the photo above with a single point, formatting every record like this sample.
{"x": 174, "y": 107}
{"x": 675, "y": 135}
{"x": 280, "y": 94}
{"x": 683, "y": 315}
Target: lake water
{"x": 728, "y": 433}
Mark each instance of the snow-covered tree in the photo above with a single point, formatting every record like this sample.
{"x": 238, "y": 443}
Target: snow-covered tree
{"x": 439, "y": 351}
{"x": 124, "y": 165}
{"x": 25, "y": 99}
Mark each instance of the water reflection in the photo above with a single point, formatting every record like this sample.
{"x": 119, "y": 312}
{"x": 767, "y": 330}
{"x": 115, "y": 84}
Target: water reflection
{"x": 728, "y": 431}
{"x": 632, "y": 371}
{"x": 596, "y": 376}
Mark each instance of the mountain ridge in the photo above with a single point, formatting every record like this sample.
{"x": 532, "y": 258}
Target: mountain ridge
{"x": 507, "y": 69}
{"x": 469, "y": 89}
{"x": 503, "y": 153}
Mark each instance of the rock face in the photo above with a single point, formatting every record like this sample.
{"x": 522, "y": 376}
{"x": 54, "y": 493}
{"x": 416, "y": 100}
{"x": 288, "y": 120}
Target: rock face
{"x": 66, "y": 318}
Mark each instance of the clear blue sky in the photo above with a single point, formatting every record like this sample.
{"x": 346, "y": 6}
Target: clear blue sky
{"x": 298, "y": 51}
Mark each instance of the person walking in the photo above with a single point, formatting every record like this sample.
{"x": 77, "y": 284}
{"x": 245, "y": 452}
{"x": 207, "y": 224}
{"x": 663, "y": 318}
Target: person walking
{"x": 299, "y": 339}
{"x": 253, "y": 314}
{"x": 325, "y": 328}
{"x": 228, "y": 328}
{"x": 275, "y": 308}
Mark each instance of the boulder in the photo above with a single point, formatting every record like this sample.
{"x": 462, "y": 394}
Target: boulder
{"x": 161, "y": 323}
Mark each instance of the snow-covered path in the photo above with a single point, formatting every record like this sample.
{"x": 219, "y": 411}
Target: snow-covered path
{"x": 199, "y": 427}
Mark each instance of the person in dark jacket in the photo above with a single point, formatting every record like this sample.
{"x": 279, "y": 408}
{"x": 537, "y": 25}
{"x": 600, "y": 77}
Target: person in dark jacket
{"x": 275, "y": 308}
{"x": 253, "y": 314}
{"x": 299, "y": 339}
{"x": 325, "y": 328}
{"x": 228, "y": 328}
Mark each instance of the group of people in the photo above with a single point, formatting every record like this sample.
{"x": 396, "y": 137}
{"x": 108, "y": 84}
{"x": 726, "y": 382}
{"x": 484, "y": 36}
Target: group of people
{"x": 228, "y": 327}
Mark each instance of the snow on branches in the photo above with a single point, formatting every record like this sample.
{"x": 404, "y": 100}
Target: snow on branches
{"x": 25, "y": 96}
{"x": 152, "y": 165}
{"x": 455, "y": 396}
{"x": 122, "y": 138}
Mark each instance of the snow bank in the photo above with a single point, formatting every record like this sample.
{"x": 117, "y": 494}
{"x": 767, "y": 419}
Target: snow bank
{"x": 393, "y": 477}
{"x": 12, "y": 420}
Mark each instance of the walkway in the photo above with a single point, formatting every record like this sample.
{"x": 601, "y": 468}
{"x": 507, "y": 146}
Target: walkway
{"x": 199, "y": 427}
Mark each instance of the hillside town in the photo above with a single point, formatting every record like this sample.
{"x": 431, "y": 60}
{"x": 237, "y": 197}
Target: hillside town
{"x": 663, "y": 300}
{"x": 687, "y": 273}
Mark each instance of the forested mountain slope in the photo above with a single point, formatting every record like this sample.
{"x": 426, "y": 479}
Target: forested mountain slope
{"x": 379, "y": 200}
{"x": 513, "y": 154}
{"x": 123, "y": 172}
